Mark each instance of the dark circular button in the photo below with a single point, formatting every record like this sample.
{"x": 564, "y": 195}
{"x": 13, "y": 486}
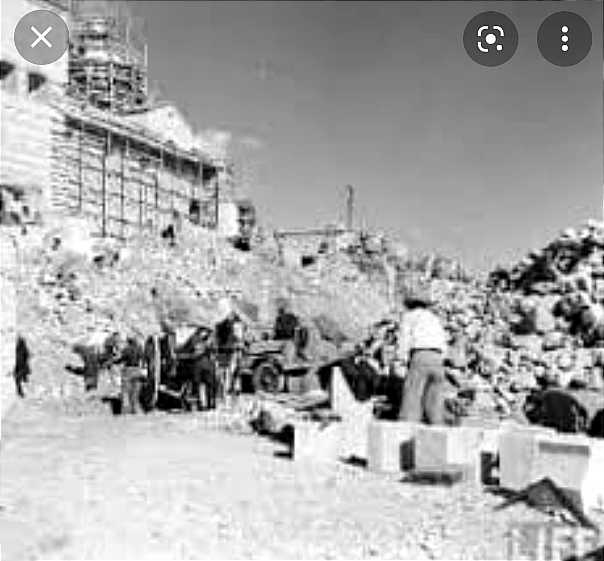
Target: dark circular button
{"x": 490, "y": 38}
{"x": 564, "y": 39}
{"x": 41, "y": 37}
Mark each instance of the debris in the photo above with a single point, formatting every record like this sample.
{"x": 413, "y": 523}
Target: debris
{"x": 546, "y": 495}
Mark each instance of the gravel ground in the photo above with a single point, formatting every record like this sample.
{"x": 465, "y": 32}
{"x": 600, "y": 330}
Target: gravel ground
{"x": 166, "y": 486}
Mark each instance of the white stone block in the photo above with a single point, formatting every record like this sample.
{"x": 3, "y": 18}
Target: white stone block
{"x": 440, "y": 446}
{"x": 390, "y": 446}
{"x": 575, "y": 463}
{"x": 355, "y": 431}
{"x": 518, "y": 448}
{"x": 316, "y": 442}
{"x": 592, "y": 488}
{"x": 341, "y": 398}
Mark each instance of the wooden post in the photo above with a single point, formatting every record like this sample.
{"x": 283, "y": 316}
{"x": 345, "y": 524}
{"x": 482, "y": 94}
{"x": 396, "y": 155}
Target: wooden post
{"x": 104, "y": 185}
{"x": 349, "y": 207}
{"x": 216, "y": 203}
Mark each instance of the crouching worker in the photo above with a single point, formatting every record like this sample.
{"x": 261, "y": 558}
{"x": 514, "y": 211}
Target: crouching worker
{"x": 420, "y": 352}
{"x": 134, "y": 375}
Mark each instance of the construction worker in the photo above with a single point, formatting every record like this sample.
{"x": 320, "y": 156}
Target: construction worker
{"x": 420, "y": 352}
{"x": 227, "y": 332}
{"x": 286, "y": 323}
{"x": 22, "y": 369}
{"x": 134, "y": 374}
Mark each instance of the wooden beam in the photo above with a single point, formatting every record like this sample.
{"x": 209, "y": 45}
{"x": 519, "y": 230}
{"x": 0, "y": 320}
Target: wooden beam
{"x": 104, "y": 185}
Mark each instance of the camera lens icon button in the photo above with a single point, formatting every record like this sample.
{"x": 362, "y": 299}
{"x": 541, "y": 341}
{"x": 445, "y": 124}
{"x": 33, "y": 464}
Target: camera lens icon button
{"x": 490, "y": 38}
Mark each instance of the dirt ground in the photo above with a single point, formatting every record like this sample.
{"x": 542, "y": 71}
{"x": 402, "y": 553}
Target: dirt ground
{"x": 167, "y": 486}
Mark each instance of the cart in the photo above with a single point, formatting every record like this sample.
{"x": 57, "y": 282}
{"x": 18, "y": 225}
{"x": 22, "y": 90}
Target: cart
{"x": 264, "y": 366}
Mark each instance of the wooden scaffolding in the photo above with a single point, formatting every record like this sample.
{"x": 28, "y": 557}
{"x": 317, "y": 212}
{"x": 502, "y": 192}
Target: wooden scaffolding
{"x": 123, "y": 179}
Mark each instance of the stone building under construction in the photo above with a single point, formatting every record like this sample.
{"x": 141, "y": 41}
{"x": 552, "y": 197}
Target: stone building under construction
{"x": 80, "y": 136}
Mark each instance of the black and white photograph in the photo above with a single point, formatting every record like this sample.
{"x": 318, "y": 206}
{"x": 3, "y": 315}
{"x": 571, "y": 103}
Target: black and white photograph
{"x": 301, "y": 280}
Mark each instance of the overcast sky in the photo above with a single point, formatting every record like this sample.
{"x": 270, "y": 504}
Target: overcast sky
{"x": 482, "y": 163}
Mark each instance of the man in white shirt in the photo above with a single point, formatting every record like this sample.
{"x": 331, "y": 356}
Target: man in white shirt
{"x": 421, "y": 348}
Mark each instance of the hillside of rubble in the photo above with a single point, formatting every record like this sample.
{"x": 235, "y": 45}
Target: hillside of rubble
{"x": 539, "y": 321}
{"x": 65, "y": 295}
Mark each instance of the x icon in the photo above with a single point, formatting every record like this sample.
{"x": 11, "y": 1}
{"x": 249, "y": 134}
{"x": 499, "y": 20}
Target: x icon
{"x": 41, "y": 36}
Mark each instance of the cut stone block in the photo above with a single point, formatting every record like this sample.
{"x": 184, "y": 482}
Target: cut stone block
{"x": 518, "y": 448}
{"x": 317, "y": 443}
{"x": 390, "y": 446}
{"x": 574, "y": 463}
{"x": 355, "y": 431}
{"x": 438, "y": 446}
{"x": 341, "y": 397}
{"x": 564, "y": 458}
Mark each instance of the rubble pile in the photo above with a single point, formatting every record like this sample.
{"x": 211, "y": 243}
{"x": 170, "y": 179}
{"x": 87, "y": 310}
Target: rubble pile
{"x": 65, "y": 295}
{"x": 538, "y": 323}
{"x": 541, "y": 321}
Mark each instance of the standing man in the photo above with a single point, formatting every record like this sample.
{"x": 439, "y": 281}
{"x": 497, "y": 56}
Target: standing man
{"x": 134, "y": 374}
{"x": 421, "y": 349}
{"x": 226, "y": 333}
{"x": 22, "y": 369}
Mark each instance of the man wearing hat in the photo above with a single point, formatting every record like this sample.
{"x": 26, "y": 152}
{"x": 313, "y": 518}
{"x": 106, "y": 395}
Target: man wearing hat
{"x": 421, "y": 349}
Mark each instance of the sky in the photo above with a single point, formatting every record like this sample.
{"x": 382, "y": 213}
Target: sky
{"x": 481, "y": 163}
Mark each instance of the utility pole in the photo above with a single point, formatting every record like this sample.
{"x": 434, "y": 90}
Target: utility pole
{"x": 217, "y": 202}
{"x": 349, "y": 206}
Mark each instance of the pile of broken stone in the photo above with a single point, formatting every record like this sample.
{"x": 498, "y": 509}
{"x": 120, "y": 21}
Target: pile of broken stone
{"x": 537, "y": 324}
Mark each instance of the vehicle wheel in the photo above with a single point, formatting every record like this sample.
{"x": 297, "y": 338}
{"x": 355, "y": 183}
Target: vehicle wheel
{"x": 267, "y": 377}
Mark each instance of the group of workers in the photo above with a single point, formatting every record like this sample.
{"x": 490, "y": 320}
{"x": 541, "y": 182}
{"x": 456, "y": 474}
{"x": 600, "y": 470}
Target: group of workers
{"x": 416, "y": 364}
{"x": 412, "y": 375}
